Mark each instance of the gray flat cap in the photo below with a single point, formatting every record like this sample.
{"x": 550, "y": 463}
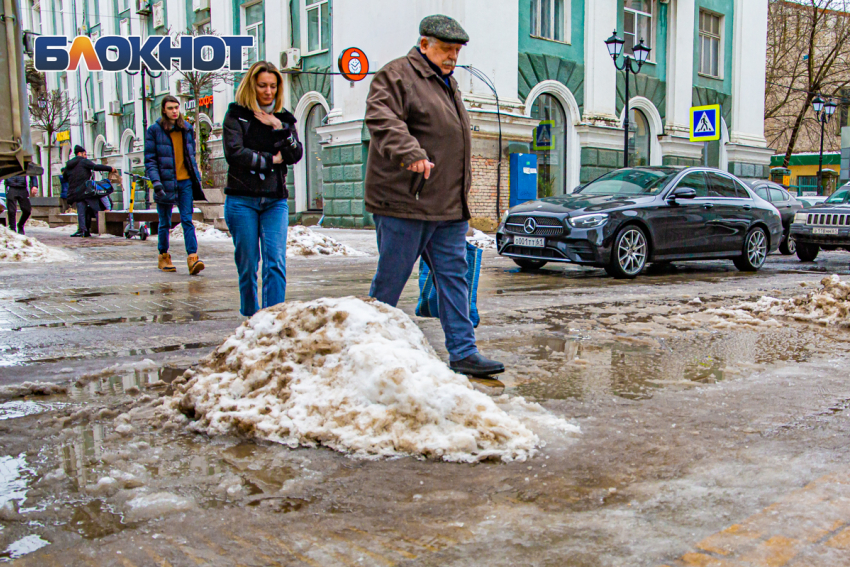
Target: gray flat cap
{"x": 443, "y": 28}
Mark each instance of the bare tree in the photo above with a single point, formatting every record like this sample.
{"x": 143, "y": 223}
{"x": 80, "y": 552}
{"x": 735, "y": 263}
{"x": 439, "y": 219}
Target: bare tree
{"x": 50, "y": 112}
{"x": 202, "y": 81}
{"x": 808, "y": 52}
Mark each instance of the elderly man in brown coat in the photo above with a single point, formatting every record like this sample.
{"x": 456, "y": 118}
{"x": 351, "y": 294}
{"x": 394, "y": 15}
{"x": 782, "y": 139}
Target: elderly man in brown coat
{"x": 417, "y": 182}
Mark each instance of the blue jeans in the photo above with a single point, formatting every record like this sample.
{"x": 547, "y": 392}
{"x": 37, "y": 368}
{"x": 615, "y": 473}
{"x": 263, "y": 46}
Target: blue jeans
{"x": 258, "y": 224}
{"x": 185, "y": 206}
{"x": 443, "y": 246}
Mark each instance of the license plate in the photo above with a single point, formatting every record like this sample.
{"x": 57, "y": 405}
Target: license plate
{"x": 533, "y": 242}
{"x": 833, "y": 231}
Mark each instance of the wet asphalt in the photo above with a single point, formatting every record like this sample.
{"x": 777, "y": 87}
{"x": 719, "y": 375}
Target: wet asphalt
{"x": 699, "y": 446}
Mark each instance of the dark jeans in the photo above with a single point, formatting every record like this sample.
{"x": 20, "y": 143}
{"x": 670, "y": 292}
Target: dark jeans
{"x": 443, "y": 246}
{"x": 258, "y": 224}
{"x": 85, "y": 213}
{"x": 185, "y": 205}
{"x": 16, "y": 198}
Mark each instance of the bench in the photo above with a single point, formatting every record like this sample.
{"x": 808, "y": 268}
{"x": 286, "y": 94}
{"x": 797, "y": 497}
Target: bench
{"x": 113, "y": 222}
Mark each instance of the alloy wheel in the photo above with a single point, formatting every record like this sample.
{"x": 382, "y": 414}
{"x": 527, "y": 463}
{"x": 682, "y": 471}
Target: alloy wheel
{"x": 757, "y": 248}
{"x": 631, "y": 251}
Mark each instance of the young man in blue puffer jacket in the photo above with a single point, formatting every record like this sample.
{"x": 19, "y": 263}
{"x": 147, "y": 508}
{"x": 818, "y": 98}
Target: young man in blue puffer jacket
{"x": 171, "y": 166}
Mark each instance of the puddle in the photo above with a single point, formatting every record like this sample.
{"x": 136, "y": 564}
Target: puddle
{"x": 17, "y": 408}
{"x": 23, "y": 547}
{"x": 14, "y": 477}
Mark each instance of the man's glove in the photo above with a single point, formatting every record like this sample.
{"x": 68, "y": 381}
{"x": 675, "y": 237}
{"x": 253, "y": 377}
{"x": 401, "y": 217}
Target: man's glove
{"x": 159, "y": 192}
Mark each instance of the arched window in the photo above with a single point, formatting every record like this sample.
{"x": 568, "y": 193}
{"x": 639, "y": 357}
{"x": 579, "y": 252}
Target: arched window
{"x": 313, "y": 150}
{"x": 550, "y": 145}
{"x": 639, "y": 138}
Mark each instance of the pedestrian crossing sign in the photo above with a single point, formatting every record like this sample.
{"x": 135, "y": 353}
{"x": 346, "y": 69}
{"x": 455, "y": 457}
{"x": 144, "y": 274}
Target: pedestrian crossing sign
{"x": 705, "y": 123}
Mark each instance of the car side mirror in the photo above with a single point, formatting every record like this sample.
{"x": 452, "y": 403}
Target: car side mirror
{"x": 684, "y": 193}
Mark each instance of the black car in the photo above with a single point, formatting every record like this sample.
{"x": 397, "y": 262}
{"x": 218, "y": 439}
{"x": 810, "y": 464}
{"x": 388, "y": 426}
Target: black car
{"x": 825, "y": 226}
{"x": 632, "y": 216}
{"x": 786, "y": 203}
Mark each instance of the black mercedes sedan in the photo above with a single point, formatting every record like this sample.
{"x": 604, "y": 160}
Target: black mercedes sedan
{"x": 633, "y": 216}
{"x": 823, "y": 227}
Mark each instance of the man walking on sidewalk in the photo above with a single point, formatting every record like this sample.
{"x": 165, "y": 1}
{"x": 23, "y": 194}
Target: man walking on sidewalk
{"x": 171, "y": 166}
{"x": 418, "y": 178}
{"x": 18, "y": 196}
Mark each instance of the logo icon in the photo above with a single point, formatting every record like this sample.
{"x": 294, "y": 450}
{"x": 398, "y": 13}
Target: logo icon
{"x": 353, "y": 64}
{"x": 530, "y": 225}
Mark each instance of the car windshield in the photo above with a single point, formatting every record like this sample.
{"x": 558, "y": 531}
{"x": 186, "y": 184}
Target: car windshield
{"x": 630, "y": 182}
{"x": 837, "y": 198}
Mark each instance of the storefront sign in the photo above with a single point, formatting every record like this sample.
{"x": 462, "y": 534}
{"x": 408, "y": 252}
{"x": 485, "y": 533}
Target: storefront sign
{"x": 63, "y": 137}
{"x": 353, "y": 64}
{"x": 205, "y": 101}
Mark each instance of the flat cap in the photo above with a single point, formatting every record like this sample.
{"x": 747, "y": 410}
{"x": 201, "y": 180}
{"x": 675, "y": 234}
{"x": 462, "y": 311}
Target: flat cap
{"x": 443, "y": 28}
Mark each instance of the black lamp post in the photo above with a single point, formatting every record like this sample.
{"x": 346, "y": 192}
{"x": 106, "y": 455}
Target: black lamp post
{"x": 145, "y": 71}
{"x": 824, "y": 111}
{"x": 641, "y": 54}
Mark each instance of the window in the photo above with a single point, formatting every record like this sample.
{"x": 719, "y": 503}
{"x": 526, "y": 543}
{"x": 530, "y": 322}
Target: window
{"x": 58, "y": 23}
{"x": 313, "y": 151}
{"x": 549, "y": 19}
{"x": 639, "y": 138}
{"x": 318, "y": 34}
{"x": 126, "y": 79}
{"x": 696, "y": 181}
{"x": 709, "y": 44}
{"x": 761, "y": 191}
{"x": 637, "y": 24}
{"x": 253, "y": 18}
{"x": 721, "y": 187}
{"x": 123, "y": 5}
{"x": 549, "y": 144}
{"x": 777, "y": 196}
{"x": 98, "y": 91}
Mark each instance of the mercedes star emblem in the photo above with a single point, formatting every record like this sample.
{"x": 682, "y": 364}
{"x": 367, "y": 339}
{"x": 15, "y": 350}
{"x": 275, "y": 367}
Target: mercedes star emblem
{"x": 530, "y": 225}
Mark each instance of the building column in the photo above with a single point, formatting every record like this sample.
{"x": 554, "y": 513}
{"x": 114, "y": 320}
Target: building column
{"x": 680, "y": 66}
{"x": 221, "y": 21}
{"x": 748, "y": 71}
{"x": 600, "y": 80}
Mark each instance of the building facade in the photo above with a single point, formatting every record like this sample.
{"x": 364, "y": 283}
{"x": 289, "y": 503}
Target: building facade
{"x": 559, "y": 94}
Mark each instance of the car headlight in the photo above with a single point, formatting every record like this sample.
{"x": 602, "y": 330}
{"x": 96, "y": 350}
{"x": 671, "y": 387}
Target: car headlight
{"x": 801, "y": 218}
{"x": 588, "y": 221}
{"x": 505, "y": 216}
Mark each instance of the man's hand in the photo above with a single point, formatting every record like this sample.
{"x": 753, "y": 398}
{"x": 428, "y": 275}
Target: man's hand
{"x": 34, "y": 192}
{"x": 269, "y": 120}
{"x": 422, "y": 166}
{"x": 277, "y": 158}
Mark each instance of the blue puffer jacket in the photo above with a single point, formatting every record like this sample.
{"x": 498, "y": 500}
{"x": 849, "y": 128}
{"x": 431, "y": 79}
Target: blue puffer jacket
{"x": 159, "y": 163}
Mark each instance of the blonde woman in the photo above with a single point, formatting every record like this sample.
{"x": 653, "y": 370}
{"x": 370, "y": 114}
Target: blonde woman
{"x": 260, "y": 141}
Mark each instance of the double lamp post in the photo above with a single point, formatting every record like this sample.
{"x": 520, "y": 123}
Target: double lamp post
{"x": 823, "y": 111}
{"x": 641, "y": 54}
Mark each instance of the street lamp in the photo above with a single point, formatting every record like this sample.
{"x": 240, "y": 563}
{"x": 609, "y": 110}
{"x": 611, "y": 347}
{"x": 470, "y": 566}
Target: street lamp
{"x": 824, "y": 111}
{"x": 641, "y": 54}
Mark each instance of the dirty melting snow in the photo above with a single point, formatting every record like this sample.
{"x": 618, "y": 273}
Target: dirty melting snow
{"x": 301, "y": 241}
{"x": 203, "y": 232}
{"x": 356, "y": 376}
{"x": 829, "y": 305}
{"x": 18, "y": 248}
{"x": 481, "y": 239}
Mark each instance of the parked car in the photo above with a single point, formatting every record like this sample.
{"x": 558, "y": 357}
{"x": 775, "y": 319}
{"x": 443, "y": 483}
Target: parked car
{"x": 786, "y": 203}
{"x": 823, "y": 227}
{"x": 632, "y": 216}
{"x": 810, "y": 201}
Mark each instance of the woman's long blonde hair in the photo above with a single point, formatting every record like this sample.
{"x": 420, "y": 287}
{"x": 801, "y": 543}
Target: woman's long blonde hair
{"x": 246, "y": 94}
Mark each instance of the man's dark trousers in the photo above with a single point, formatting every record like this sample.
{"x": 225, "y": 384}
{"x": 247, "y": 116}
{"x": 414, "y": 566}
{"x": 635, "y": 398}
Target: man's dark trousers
{"x": 443, "y": 246}
{"x": 17, "y": 198}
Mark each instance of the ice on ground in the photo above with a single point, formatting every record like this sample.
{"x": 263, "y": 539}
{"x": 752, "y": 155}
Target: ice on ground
{"x": 203, "y": 232}
{"x": 301, "y": 241}
{"x": 18, "y": 248}
{"x": 481, "y": 239}
{"x": 25, "y": 545}
{"x": 356, "y": 376}
{"x": 31, "y": 389}
{"x": 829, "y": 305}
{"x": 148, "y": 506}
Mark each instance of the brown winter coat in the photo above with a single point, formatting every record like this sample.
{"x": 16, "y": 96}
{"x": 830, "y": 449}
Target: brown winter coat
{"x": 412, "y": 115}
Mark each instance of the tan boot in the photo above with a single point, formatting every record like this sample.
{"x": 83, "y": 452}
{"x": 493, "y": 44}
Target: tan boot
{"x": 195, "y": 264}
{"x": 165, "y": 263}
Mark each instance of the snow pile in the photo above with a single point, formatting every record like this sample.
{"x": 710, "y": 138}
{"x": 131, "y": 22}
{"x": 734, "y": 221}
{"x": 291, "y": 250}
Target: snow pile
{"x": 203, "y": 232}
{"x": 35, "y": 223}
{"x": 829, "y": 305}
{"x": 301, "y": 241}
{"x": 17, "y": 248}
{"x": 31, "y": 389}
{"x": 481, "y": 239}
{"x": 355, "y": 376}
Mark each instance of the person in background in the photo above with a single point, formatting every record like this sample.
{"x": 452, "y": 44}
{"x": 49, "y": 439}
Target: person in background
{"x": 418, "y": 177}
{"x": 260, "y": 141}
{"x": 18, "y": 196}
{"x": 171, "y": 166}
{"x": 63, "y": 195}
{"x": 76, "y": 173}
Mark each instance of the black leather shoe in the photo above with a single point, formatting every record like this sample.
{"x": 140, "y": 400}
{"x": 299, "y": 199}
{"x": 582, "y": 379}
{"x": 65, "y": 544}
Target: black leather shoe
{"x": 477, "y": 365}
{"x": 87, "y": 234}
{"x": 77, "y": 234}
